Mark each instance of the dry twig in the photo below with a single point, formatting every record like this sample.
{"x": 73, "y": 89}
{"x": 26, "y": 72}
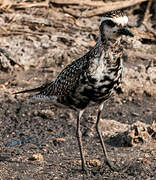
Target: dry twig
{"x": 106, "y": 7}
{"x": 79, "y": 2}
{"x": 30, "y": 5}
{"x": 147, "y": 13}
{"x": 7, "y": 4}
{"x": 141, "y": 55}
{"x": 146, "y": 20}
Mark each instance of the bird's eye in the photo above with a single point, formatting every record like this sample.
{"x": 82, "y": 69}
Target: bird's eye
{"x": 110, "y": 23}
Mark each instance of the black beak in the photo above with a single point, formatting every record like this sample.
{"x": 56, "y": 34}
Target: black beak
{"x": 125, "y": 31}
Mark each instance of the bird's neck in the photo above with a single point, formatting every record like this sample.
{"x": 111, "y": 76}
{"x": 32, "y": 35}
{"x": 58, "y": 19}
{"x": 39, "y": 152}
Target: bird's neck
{"x": 113, "y": 45}
{"x": 105, "y": 48}
{"x": 107, "y": 41}
{"x": 110, "y": 49}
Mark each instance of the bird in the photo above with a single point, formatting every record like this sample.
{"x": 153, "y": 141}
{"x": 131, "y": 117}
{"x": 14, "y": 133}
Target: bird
{"x": 91, "y": 79}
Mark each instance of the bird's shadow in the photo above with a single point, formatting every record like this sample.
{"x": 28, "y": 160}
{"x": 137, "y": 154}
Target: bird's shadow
{"x": 120, "y": 140}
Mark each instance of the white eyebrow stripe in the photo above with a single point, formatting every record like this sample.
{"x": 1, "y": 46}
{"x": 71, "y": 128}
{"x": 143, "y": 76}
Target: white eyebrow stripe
{"x": 119, "y": 20}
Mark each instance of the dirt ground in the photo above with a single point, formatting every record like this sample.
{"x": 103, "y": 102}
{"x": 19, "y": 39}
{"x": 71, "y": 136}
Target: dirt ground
{"x": 37, "y": 140}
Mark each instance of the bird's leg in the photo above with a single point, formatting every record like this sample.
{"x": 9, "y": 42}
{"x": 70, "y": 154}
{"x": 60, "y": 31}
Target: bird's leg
{"x": 78, "y": 135}
{"x": 99, "y": 133}
{"x": 108, "y": 162}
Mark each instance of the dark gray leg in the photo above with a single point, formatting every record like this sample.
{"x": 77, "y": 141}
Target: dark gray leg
{"x": 108, "y": 162}
{"x": 78, "y": 135}
{"x": 100, "y": 136}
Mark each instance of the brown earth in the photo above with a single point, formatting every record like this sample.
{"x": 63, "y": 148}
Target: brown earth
{"x": 37, "y": 140}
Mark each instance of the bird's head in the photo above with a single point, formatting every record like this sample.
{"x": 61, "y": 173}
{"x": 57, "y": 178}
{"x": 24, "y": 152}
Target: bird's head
{"x": 113, "y": 25}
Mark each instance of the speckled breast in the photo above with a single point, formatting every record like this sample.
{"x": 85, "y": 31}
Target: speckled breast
{"x": 100, "y": 78}
{"x": 94, "y": 90}
{"x": 101, "y": 87}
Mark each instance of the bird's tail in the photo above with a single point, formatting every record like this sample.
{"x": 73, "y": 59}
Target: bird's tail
{"x": 38, "y": 89}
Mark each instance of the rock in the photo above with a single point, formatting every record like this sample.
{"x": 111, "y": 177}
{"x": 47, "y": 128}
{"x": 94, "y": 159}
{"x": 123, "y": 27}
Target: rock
{"x": 111, "y": 127}
{"x": 5, "y": 64}
{"x": 152, "y": 130}
{"x": 125, "y": 135}
{"x": 36, "y": 157}
{"x": 141, "y": 133}
{"x": 94, "y": 162}
{"x": 58, "y": 141}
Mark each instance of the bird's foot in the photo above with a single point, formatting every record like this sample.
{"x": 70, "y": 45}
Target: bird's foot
{"x": 84, "y": 170}
{"x": 117, "y": 168}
